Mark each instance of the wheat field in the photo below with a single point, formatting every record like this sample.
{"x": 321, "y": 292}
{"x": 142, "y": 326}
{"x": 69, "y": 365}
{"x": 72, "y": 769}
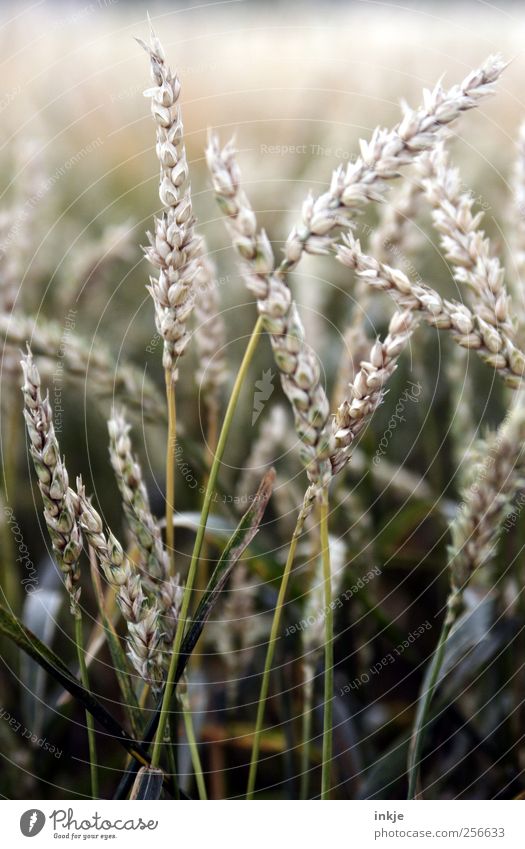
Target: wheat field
{"x": 263, "y": 342}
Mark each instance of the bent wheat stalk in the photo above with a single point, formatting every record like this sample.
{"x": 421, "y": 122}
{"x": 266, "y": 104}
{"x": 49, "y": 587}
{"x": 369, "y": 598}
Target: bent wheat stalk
{"x": 363, "y": 181}
{"x": 299, "y": 372}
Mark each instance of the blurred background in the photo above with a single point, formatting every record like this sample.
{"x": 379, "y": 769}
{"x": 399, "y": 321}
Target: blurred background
{"x": 297, "y": 84}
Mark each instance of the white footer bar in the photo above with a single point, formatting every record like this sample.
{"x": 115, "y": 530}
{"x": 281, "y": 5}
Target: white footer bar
{"x": 264, "y": 824}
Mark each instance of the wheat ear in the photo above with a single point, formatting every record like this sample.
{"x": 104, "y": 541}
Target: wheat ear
{"x": 174, "y": 247}
{"x": 141, "y": 614}
{"x": 498, "y": 474}
{"x": 60, "y": 501}
{"x": 144, "y": 527}
{"x": 128, "y": 474}
{"x": 366, "y": 391}
{"x": 467, "y": 329}
{"x": 464, "y": 243}
{"x": 297, "y": 363}
{"x": 381, "y": 158}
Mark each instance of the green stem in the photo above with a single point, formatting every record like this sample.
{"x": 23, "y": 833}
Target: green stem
{"x": 90, "y": 722}
{"x": 328, "y": 651}
{"x": 192, "y": 743}
{"x": 172, "y": 759}
{"x": 210, "y": 489}
{"x": 270, "y": 653}
{"x": 308, "y": 693}
{"x": 418, "y": 734}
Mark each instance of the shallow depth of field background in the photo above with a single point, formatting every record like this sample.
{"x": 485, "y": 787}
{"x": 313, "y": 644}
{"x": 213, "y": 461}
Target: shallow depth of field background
{"x": 298, "y": 85}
